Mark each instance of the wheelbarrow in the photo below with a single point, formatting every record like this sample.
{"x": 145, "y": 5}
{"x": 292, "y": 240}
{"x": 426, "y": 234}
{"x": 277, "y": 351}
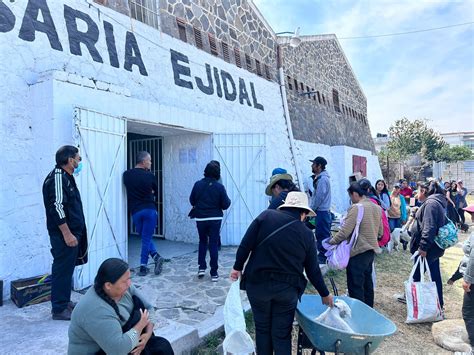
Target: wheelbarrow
{"x": 369, "y": 326}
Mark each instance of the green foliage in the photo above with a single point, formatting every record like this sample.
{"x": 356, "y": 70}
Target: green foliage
{"x": 453, "y": 154}
{"x": 413, "y": 137}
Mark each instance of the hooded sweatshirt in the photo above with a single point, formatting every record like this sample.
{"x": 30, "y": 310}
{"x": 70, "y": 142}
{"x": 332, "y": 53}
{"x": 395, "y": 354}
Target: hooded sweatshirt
{"x": 428, "y": 220}
{"x": 321, "y": 199}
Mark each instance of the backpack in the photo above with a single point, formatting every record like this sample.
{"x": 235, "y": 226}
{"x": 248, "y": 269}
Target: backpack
{"x": 386, "y": 227}
{"x": 338, "y": 255}
{"x": 447, "y": 235}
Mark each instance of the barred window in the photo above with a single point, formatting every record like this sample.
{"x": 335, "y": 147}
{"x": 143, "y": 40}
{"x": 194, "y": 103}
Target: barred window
{"x": 197, "y": 37}
{"x": 257, "y": 66}
{"x": 335, "y": 100}
{"x": 225, "y": 51}
{"x": 288, "y": 79}
{"x": 313, "y": 94}
{"x": 268, "y": 75}
{"x": 302, "y": 87}
{"x": 319, "y": 97}
{"x": 237, "y": 57}
{"x": 248, "y": 62}
{"x": 296, "y": 84}
{"x": 181, "y": 29}
{"x": 144, "y": 11}
{"x": 213, "y": 44}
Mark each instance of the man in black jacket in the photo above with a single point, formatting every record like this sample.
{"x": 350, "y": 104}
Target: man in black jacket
{"x": 274, "y": 278}
{"x": 66, "y": 228}
{"x": 209, "y": 199}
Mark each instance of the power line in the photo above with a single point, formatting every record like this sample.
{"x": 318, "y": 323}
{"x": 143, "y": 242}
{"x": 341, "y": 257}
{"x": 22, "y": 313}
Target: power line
{"x": 409, "y": 32}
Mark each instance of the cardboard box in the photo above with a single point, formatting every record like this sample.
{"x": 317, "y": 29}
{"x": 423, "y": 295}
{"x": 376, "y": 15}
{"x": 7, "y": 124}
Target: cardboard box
{"x": 33, "y": 290}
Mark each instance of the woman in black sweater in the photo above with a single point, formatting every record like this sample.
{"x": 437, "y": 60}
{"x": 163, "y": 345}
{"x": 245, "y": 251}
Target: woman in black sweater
{"x": 273, "y": 277}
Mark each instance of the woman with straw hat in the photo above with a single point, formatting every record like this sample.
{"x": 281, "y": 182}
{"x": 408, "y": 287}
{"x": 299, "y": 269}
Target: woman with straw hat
{"x": 280, "y": 249}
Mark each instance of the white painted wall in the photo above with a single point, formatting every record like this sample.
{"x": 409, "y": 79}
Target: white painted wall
{"x": 40, "y": 88}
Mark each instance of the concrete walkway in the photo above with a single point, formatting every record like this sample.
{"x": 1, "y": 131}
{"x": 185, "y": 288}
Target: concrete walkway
{"x": 186, "y": 309}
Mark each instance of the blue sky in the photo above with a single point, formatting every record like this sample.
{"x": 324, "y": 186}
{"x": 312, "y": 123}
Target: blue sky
{"x": 428, "y": 75}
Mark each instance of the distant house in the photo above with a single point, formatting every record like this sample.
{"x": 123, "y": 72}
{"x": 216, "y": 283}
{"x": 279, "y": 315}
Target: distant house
{"x": 463, "y": 170}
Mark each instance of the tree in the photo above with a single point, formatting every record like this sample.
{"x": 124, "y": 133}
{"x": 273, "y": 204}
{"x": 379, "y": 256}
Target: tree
{"x": 453, "y": 154}
{"x": 408, "y": 138}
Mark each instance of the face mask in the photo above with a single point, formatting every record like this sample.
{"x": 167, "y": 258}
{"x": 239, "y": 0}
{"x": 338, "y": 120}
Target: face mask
{"x": 78, "y": 169}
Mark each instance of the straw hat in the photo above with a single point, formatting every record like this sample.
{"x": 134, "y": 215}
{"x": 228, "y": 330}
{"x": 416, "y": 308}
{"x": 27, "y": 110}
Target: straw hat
{"x": 274, "y": 179}
{"x": 297, "y": 199}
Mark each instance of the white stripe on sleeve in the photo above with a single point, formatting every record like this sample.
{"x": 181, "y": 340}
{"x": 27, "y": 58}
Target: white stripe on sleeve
{"x": 58, "y": 185}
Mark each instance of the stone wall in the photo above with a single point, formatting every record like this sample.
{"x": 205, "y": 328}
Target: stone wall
{"x": 318, "y": 64}
{"x": 235, "y": 23}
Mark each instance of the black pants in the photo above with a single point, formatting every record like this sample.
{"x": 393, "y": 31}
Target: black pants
{"x": 209, "y": 239}
{"x": 468, "y": 314}
{"x": 359, "y": 277}
{"x": 64, "y": 261}
{"x": 273, "y": 305}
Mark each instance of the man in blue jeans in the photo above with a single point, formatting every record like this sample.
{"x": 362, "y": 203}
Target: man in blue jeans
{"x": 142, "y": 192}
{"x": 321, "y": 204}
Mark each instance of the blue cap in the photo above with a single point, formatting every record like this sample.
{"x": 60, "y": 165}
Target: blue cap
{"x": 279, "y": 171}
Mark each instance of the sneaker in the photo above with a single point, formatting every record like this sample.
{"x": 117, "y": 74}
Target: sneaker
{"x": 201, "y": 273}
{"x": 64, "y": 315}
{"x": 143, "y": 271}
{"x": 214, "y": 278}
{"x": 71, "y": 305}
{"x": 158, "y": 263}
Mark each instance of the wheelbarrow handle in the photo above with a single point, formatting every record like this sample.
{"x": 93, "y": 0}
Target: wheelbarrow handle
{"x": 338, "y": 346}
{"x": 367, "y": 348}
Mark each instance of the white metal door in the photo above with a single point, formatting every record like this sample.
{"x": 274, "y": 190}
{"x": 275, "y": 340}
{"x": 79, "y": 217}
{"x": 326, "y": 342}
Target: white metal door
{"x": 101, "y": 140}
{"x": 243, "y": 167}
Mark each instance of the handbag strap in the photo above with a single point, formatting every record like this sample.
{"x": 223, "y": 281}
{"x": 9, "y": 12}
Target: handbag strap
{"x": 275, "y": 232}
{"x": 355, "y": 233}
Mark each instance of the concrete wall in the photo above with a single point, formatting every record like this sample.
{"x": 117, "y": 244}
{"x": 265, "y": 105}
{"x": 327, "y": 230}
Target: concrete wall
{"x": 42, "y": 83}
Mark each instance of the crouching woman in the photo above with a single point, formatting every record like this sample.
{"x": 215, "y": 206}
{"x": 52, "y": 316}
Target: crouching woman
{"x": 112, "y": 317}
{"x": 359, "y": 269}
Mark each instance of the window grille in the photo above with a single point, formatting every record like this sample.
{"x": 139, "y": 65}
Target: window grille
{"x": 213, "y": 44}
{"x": 237, "y": 57}
{"x": 267, "y": 72}
{"x": 181, "y": 29}
{"x": 248, "y": 62}
{"x": 225, "y": 51}
{"x": 296, "y": 84}
{"x": 197, "y": 37}
{"x": 335, "y": 100}
{"x": 257, "y": 66}
{"x": 319, "y": 97}
{"x": 144, "y": 11}
{"x": 288, "y": 79}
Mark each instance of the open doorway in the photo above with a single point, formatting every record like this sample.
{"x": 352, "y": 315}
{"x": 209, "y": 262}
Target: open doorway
{"x": 154, "y": 145}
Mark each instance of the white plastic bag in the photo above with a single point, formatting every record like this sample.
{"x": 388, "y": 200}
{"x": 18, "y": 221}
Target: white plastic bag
{"x": 422, "y": 297}
{"x": 333, "y": 317}
{"x": 237, "y": 341}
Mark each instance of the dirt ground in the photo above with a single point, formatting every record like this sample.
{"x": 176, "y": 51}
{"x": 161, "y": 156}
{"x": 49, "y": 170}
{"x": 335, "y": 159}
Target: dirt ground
{"x": 392, "y": 270}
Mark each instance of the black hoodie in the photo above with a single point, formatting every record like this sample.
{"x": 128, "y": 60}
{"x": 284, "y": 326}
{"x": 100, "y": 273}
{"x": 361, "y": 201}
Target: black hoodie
{"x": 428, "y": 220}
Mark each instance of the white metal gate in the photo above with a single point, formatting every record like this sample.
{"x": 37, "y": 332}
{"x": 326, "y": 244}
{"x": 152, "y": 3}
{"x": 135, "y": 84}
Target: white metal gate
{"x": 154, "y": 146}
{"x": 101, "y": 140}
{"x": 243, "y": 167}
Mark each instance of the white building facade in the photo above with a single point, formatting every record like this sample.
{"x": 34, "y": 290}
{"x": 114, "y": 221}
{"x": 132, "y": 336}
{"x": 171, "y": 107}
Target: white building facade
{"x": 79, "y": 73}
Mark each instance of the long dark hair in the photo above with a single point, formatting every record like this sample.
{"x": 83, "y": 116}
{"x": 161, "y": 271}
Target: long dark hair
{"x": 109, "y": 271}
{"x": 384, "y": 190}
{"x": 287, "y": 185}
{"x": 434, "y": 188}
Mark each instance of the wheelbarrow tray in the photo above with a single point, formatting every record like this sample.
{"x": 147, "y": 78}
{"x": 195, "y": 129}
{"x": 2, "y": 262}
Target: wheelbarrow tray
{"x": 369, "y": 326}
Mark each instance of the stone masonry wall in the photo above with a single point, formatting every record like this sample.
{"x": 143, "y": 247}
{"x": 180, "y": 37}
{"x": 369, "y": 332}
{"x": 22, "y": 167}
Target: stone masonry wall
{"x": 318, "y": 64}
{"x": 235, "y": 23}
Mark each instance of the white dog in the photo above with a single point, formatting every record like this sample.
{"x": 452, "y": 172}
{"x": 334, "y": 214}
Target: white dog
{"x": 401, "y": 234}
